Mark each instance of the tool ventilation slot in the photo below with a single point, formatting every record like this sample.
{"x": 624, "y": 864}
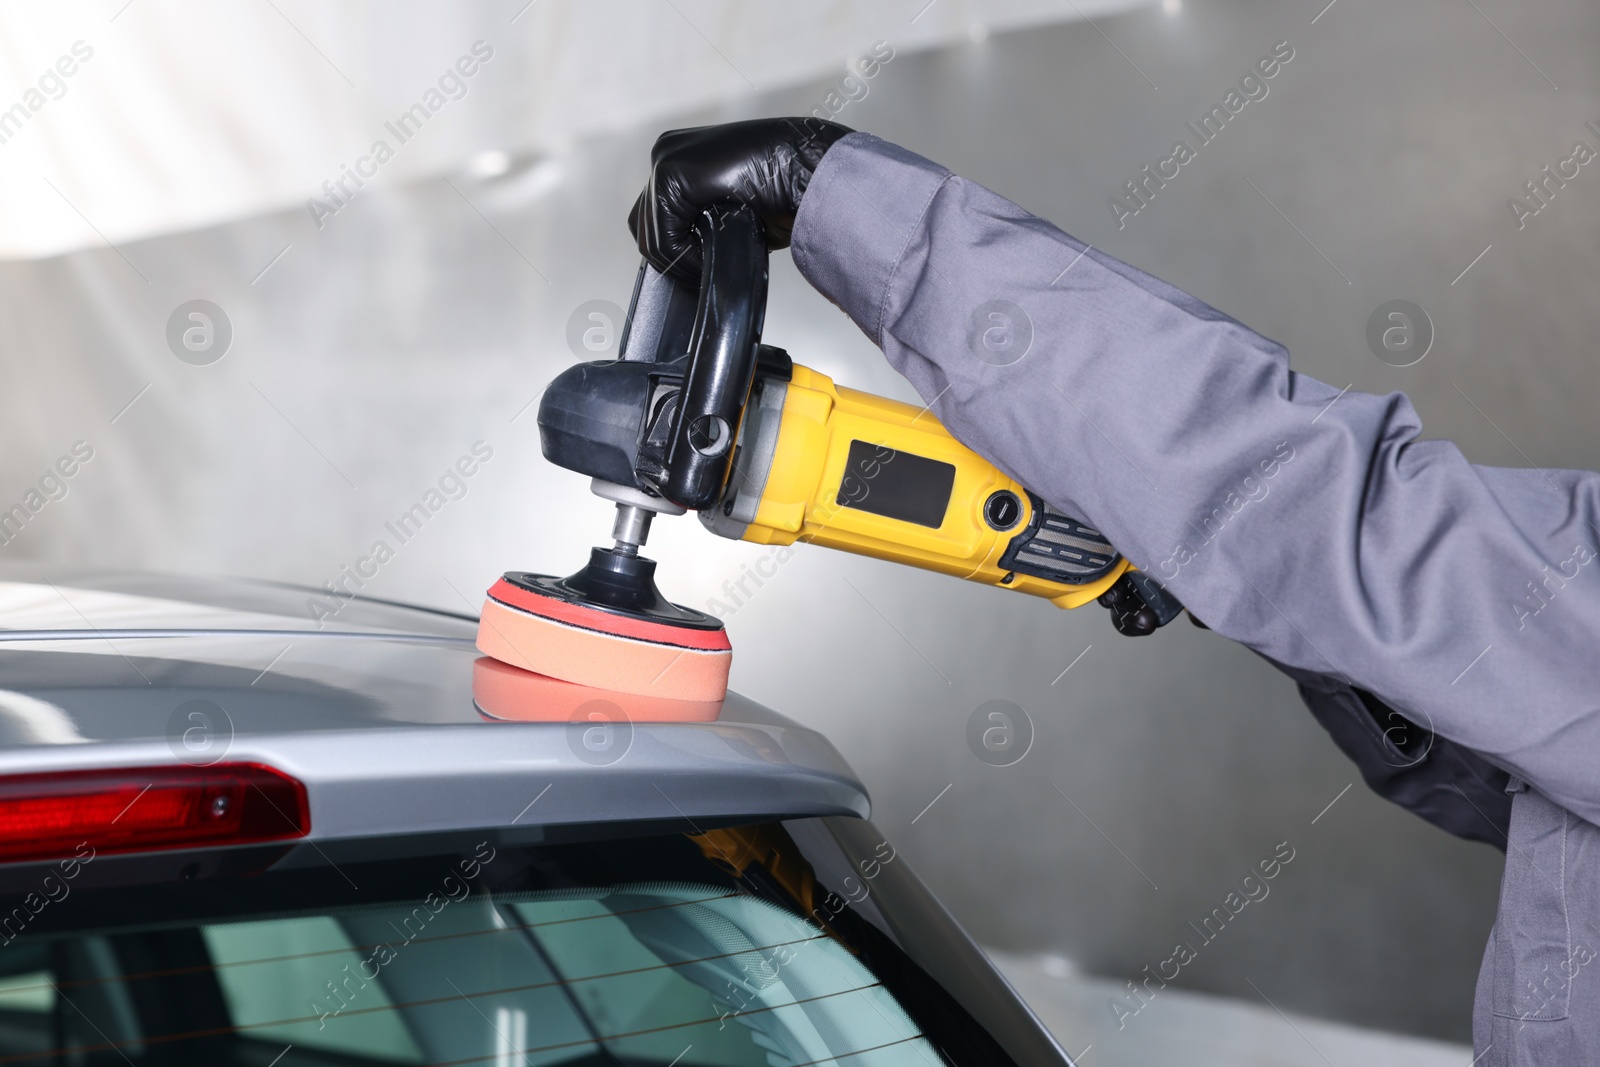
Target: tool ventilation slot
{"x": 1059, "y": 548}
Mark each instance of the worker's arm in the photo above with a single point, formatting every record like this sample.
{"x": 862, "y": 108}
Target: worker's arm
{"x": 1310, "y": 525}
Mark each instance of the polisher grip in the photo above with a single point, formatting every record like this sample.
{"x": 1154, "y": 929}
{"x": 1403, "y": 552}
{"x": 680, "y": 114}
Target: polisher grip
{"x": 722, "y": 355}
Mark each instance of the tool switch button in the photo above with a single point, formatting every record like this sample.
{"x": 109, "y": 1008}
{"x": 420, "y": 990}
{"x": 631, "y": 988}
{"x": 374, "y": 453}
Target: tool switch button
{"x": 1003, "y": 510}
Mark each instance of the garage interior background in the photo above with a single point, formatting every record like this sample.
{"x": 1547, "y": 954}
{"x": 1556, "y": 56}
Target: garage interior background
{"x": 374, "y": 344}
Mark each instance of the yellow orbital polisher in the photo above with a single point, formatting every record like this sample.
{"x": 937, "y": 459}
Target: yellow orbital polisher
{"x": 699, "y": 415}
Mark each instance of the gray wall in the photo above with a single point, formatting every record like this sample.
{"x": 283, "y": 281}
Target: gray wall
{"x": 383, "y": 346}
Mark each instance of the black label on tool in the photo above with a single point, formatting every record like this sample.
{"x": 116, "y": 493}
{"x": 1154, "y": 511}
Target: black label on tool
{"x": 896, "y": 485}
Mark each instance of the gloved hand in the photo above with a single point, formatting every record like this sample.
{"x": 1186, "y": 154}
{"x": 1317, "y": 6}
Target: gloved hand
{"x": 763, "y": 163}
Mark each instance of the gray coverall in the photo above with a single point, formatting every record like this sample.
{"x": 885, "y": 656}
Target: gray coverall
{"x": 1440, "y": 617}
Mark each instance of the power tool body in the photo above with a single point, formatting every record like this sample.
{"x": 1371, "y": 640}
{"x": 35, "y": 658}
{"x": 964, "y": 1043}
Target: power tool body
{"x": 698, "y": 415}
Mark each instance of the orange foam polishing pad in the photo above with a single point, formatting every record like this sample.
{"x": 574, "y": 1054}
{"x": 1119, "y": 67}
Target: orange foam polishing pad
{"x": 603, "y": 650}
{"x": 502, "y": 691}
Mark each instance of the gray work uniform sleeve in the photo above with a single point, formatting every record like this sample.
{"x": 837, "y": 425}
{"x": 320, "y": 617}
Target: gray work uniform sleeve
{"x": 1310, "y": 525}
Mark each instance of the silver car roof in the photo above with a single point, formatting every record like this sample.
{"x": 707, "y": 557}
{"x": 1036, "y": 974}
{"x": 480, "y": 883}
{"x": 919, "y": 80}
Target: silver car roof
{"x": 373, "y": 710}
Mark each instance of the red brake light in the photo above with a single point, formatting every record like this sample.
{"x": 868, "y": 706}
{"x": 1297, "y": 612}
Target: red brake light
{"x": 138, "y": 809}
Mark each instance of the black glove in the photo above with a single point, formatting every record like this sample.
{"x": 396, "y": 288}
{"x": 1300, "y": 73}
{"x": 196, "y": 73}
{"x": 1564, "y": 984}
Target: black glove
{"x": 763, "y": 163}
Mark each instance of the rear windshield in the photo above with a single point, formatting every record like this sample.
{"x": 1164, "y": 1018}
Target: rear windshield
{"x": 714, "y": 948}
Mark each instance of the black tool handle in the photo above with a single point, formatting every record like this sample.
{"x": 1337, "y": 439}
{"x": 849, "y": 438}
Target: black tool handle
{"x": 722, "y": 354}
